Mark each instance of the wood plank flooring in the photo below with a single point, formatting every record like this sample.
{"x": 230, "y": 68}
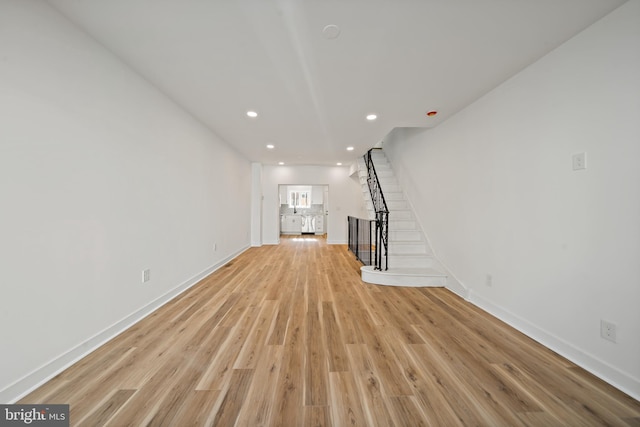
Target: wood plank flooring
{"x": 289, "y": 335}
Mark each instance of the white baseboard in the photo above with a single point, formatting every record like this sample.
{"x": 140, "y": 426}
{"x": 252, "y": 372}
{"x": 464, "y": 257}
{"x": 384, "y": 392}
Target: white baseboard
{"x": 41, "y": 375}
{"x": 602, "y": 370}
{"x": 329, "y": 242}
{"x": 454, "y": 285}
{"x": 336, "y": 242}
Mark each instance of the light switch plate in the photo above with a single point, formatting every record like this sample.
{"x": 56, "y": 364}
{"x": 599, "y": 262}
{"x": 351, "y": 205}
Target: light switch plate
{"x": 579, "y": 161}
{"x": 608, "y": 330}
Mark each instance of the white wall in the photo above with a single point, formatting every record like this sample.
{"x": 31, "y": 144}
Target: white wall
{"x": 317, "y": 195}
{"x": 256, "y": 204}
{"x": 494, "y": 189}
{"x": 101, "y": 176}
{"x": 345, "y": 198}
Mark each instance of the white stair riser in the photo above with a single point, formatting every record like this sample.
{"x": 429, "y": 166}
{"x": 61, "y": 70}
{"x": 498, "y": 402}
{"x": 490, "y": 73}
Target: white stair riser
{"x": 418, "y": 282}
{"x": 388, "y": 196}
{"x": 398, "y": 224}
{"x": 416, "y": 261}
{"x": 405, "y": 217}
{"x": 383, "y": 170}
{"x": 400, "y": 216}
{"x": 386, "y": 181}
{"x": 400, "y": 221}
{"x": 407, "y": 248}
{"x": 406, "y": 281}
{"x": 384, "y": 173}
{"x": 397, "y": 205}
{"x": 401, "y": 224}
{"x": 386, "y": 189}
{"x": 392, "y": 195}
{"x": 405, "y": 235}
{"x": 391, "y": 188}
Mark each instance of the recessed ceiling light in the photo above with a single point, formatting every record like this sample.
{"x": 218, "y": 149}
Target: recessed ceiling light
{"x": 349, "y": 148}
{"x": 252, "y": 114}
{"x": 338, "y": 164}
{"x": 371, "y": 117}
{"x": 271, "y": 146}
{"x": 432, "y": 113}
{"x": 281, "y": 163}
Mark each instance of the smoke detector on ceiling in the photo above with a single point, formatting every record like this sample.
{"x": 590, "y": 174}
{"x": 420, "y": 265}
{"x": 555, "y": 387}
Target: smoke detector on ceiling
{"x": 331, "y": 31}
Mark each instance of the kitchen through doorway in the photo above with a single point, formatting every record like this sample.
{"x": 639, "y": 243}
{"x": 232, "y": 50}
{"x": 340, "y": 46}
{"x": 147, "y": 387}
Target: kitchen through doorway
{"x": 303, "y": 209}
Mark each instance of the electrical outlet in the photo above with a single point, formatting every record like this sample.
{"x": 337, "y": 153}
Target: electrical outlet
{"x": 579, "y": 161}
{"x": 215, "y": 247}
{"x": 489, "y": 280}
{"x": 146, "y": 275}
{"x": 608, "y": 330}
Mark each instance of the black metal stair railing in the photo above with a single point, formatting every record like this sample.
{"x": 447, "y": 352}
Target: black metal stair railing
{"x": 382, "y": 215}
{"x": 360, "y": 239}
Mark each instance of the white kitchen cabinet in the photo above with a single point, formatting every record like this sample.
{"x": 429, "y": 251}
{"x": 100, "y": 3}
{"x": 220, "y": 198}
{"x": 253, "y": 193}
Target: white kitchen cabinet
{"x": 319, "y": 224}
{"x": 283, "y": 195}
{"x": 290, "y": 224}
{"x": 317, "y": 195}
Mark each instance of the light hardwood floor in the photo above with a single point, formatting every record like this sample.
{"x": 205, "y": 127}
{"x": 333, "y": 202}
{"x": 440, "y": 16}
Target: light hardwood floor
{"x": 289, "y": 335}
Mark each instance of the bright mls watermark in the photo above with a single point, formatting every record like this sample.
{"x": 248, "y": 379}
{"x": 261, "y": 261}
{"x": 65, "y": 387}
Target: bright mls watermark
{"x": 34, "y": 415}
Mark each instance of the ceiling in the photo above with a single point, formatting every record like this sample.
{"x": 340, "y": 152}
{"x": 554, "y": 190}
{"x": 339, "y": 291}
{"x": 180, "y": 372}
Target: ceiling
{"x": 398, "y": 59}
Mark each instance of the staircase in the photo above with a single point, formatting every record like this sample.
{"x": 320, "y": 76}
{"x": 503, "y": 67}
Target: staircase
{"x": 411, "y": 262}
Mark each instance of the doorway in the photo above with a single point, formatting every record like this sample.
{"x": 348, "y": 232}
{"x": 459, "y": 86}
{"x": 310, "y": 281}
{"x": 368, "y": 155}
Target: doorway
{"x": 303, "y": 209}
